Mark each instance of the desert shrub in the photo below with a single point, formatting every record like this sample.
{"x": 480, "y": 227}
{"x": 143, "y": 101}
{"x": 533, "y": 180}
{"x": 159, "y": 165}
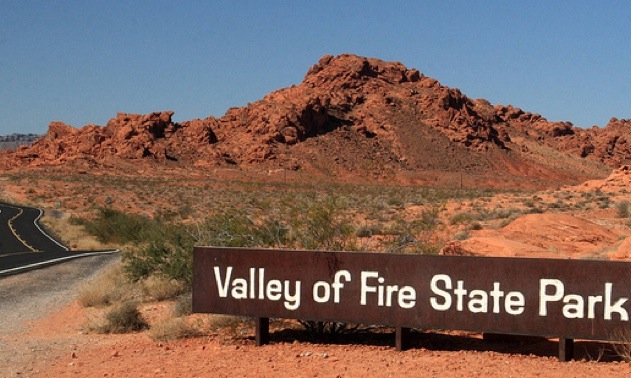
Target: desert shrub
{"x": 237, "y": 327}
{"x": 105, "y": 289}
{"x": 623, "y": 347}
{"x": 529, "y": 203}
{"x": 414, "y": 236}
{"x": 534, "y": 210}
{"x": 464, "y": 218}
{"x": 622, "y": 209}
{"x": 320, "y": 224}
{"x": 312, "y": 223}
{"x": 604, "y": 202}
{"x": 96, "y": 294}
{"x": 173, "y": 329}
{"x": 113, "y": 226}
{"x": 395, "y": 202}
{"x": 462, "y": 235}
{"x": 159, "y": 288}
{"x": 476, "y": 226}
{"x": 183, "y": 305}
{"x": 559, "y": 205}
{"x": 123, "y": 318}
{"x": 329, "y": 329}
{"x": 502, "y": 214}
{"x": 226, "y": 229}
{"x": 169, "y": 259}
{"x": 367, "y": 231}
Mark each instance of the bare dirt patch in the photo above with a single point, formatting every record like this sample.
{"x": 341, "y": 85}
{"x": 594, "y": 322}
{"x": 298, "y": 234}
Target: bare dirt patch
{"x": 31, "y": 296}
{"x": 291, "y": 353}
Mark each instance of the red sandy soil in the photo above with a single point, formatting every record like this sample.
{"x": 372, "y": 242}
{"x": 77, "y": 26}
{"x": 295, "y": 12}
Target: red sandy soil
{"x": 70, "y": 353}
{"x": 57, "y": 345}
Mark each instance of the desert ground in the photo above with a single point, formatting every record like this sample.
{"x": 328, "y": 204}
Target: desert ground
{"x": 584, "y": 221}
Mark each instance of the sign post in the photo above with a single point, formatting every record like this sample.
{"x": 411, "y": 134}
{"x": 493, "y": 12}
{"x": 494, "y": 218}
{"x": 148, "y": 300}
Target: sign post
{"x": 565, "y": 299}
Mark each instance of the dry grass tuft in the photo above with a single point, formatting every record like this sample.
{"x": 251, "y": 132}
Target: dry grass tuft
{"x": 123, "y": 318}
{"x": 158, "y": 288}
{"x": 183, "y": 305}
{"x": 106, "y": 289}
{"x": 173, "y": 329}
{"x": 623, "y": 348}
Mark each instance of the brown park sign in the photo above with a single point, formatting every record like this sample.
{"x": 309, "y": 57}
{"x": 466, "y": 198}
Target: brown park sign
{"x": 569, "y": 299}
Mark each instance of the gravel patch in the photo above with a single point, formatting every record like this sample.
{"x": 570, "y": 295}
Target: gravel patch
{"x": 35, "y": 294}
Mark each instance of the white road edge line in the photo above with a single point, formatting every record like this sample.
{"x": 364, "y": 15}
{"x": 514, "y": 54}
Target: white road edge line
{"x": 36, "y": 222}
{"x": 54, "y": 261}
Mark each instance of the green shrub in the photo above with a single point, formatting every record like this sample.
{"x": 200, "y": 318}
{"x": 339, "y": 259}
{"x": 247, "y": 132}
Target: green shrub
{"x": 113, "y": 226}
{"x": 171, "y": 260}
{"x": 322, "y": 225}
{"x": 502, "y": 214}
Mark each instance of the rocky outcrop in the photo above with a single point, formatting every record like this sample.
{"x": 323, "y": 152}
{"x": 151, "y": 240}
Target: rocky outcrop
{"x": 365, "y": 111}
{"x": 128, "y": 136}
{"x": 610, "y": 145}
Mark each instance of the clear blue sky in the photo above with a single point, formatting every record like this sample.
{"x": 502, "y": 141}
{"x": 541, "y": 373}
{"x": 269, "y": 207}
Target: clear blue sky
{"x": 83, "y": 61}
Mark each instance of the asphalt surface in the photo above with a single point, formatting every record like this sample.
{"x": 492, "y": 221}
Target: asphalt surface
{"x": 24, "y": 244}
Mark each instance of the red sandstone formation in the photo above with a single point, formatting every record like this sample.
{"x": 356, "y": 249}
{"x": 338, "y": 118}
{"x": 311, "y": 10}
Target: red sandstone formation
{"x": 350, "y": 114}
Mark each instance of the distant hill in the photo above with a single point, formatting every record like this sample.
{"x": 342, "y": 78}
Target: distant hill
{"x": 13, "y": 141}
{"x": 353, "y": 118}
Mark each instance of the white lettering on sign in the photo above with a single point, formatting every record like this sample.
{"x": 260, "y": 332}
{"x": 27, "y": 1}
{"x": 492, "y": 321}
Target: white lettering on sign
{"x": 322, "y": 289}
{"x": 575, "y": 306}
{"x": 447, "y": 294}
{"x": 241, "y": 288}
{"x": 405, "y": 296}
{"x": 476, "y": 300}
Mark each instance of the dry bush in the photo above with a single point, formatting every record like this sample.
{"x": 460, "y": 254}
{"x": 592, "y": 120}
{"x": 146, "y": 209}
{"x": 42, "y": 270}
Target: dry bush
{"x": 216, "y": 322}
{"x": 123, "y": 318}
{"x": 623, "y": 348}
{"x": 105, "y": 289}
{"x": 234, "y": 327}
{"x": 622, "y": 209}
{"x": 173, "y": 329}
{"x": 158, "y": 288}
{"x": 183, "y": 305}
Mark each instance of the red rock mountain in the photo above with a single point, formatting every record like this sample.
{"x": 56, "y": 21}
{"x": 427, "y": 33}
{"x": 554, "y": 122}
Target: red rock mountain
{"x": 354, "y": 117}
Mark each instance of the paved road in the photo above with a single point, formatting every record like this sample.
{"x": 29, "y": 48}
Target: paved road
{"x": 24, "y": 243}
